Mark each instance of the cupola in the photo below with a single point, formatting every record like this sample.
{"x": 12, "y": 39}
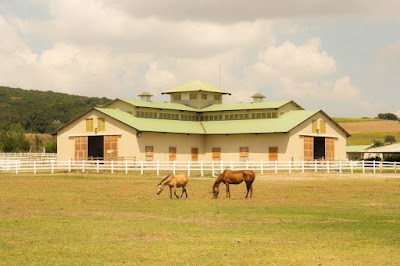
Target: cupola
{"x": 145, "y": 96}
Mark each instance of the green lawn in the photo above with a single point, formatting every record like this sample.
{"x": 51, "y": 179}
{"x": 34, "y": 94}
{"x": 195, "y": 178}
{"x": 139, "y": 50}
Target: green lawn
{"x": 89, "y": 219}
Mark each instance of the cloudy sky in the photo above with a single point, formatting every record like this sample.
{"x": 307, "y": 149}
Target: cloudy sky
{"x": 339, "y": 56}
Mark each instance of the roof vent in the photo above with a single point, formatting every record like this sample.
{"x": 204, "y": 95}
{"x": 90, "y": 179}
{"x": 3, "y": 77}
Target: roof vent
{"x": 258, "y": 97}
{"x": 145, "y": 96}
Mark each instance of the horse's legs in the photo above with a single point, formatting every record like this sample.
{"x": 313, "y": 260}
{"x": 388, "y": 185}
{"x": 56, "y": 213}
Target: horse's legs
{"x": 184, "y": 191}
{"x": 249, "y": 189}
{"x": 170, "y": 192}
{"x": 228, "y": 192}
{"x": 175, "y": 193}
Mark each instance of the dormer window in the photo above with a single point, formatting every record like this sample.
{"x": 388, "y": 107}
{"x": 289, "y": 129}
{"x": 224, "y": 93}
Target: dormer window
{"x": 176, "y": 97}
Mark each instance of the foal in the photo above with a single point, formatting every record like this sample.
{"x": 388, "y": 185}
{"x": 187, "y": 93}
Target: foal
{"x": 174, "y": 181}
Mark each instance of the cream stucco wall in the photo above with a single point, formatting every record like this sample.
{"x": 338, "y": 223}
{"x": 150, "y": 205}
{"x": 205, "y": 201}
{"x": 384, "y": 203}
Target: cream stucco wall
{"x": 130, "y": 146}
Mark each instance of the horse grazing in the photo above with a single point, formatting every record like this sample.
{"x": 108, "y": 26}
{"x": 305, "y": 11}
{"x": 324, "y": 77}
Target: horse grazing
{"x": 174, "y": 181}
{"x": 234, "y": 177}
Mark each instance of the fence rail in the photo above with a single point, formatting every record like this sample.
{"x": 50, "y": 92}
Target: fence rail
{"x": 201, "y": 168}
{"x": 28, "y": 156}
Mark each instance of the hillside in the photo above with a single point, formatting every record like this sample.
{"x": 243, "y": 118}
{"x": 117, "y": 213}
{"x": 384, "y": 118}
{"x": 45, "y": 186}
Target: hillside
{"x": 41, "y": 111}
{"x": 364, "y": 132}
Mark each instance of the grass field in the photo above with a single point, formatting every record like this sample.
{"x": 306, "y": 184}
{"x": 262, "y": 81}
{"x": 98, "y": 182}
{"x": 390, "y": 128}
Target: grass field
{"x": 89, "y": 219}
{"x": 364, "y": 131}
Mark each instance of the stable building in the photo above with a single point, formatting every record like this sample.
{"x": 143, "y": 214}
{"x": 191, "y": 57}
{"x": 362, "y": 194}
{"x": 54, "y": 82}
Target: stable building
{"x": 196, "y": 125}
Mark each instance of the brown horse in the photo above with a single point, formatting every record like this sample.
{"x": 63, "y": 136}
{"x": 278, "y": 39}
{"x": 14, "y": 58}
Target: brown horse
{"x": 174, "y": 181}
{"x": 234, "y": 177}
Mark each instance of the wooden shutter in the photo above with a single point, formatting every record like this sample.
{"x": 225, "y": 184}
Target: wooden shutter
{"x": 172, "y": 153}
{"x": 308, "y": 148}
{"x": 110, "y": 147}
{"x": 329, "y": 149}
{"x": 81, "y": 148}
{"x": 149, "y": 153}
{"x": 195, "y": 154}
{"x": 273, "y": 153}
{"x": 244, "y": 153}
{"x": 314, "y": 126}
{"x": 216, "y": 154}
{"x": 322, "y": 126}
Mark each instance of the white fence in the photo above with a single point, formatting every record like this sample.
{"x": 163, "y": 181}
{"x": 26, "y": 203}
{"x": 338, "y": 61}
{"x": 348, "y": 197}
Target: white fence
{"x": 201, "y": 168}
{"x": 28, "y": 156}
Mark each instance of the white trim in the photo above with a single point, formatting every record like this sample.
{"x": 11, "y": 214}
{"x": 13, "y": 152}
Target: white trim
{"x": 319, "y": 135}
{"x": 94, "y": 135}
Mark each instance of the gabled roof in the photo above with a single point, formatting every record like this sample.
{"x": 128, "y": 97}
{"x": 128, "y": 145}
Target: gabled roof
{"x": 194, "y": 86}
{"x": 393, "y": 148}
{"x": 247, "y": 106}
{"x": 159, "y": 105}
{"x": 357, "y": 148}
{"x": 283, "y": 124}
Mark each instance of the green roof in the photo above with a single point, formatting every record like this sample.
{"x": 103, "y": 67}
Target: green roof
{"x": 357, "y": 148}
{"x": 282, "y": 124}
{"x": 196, "y": 85}
{"x": 245, "y": 106}
{"x": 159, "y": 105}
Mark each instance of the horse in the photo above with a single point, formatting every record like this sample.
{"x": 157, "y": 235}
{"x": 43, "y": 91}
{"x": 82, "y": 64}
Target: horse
{"x": 174, "y": 181}
{"x": 234, "y": 177}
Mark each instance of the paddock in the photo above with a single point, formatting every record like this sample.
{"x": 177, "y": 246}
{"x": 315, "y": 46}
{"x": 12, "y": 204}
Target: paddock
{"x": 302, "y": 219}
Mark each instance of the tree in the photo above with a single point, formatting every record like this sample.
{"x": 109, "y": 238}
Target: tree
{"x": 388, "y": 116}
{"x": 377, "y": 143}
{"x": 390, "y": 138}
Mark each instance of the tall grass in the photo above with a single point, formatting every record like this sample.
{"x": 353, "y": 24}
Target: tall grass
{"x": 81, "y": 219}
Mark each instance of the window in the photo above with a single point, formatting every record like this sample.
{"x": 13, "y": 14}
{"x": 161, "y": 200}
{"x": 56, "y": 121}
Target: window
{"x": 217, "y": 97}
{"x": 273, "y": 153}
{"x": 149, "y": 153}
{"x": 101, "y": 124}
{"x": 244, "y": 153}
{"x": 322, "y": 126}
{"x": 314, "y": 126}
{"x": 89, "y": 125}
{"x": 216, "y": 154}
{"x": 193, "y": 96}
{"x": 176, "y": 97}
{"x": 204, "y": 96}
{"x": 195, "y": 154}
{"x": 172, "y": 153}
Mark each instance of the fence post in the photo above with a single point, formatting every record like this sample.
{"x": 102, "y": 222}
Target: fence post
{"x": 97, "y": 166}
{"x": 276, "y": 166}
{"x": 290, "y": 166}
{"x": 112, "y": 166}
{"x": 174, "y": 167}
{"x": 34, "y": 167}
{"x": 374, "y": 167}
{"x": 315, "y": 165}
{"x": 126, "y": 167}
{"x": 247, "y": 164}
{"x": 363, "y": 166}
{"x": 83, "y": 166}
{"x": 381, "y": 166}
{"x": 395, "y": 166}
{"x": 188, "y": 173}
{"x": 52, "y": 166}
{"x": 141, "y": 167}
{"x": 262, "y": 167}
{"x": 16, "y": 167}
{"x": 8, "y": 165}
{"x": 351, "y": 166}
{"x": 231, "y": 165}
{"x": 302, "y": 166}
{"x": 222, "y": 166}
{"x": 212, "y": 168}
{"x": 327, "y": 166}
{"x": 158, "y": 167}
{"x": 340, "y": 166}
{"x": 201, "y": 168}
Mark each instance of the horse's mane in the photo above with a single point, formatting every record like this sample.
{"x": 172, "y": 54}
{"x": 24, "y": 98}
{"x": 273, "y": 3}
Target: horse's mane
{"x": 164, "y": 179}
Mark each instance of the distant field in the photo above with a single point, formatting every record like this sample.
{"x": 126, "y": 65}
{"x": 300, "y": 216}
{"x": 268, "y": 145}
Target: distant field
{"x": 86, "y": 219}
{"x": 354, "y": 119}
{"x": 364, "y": 132}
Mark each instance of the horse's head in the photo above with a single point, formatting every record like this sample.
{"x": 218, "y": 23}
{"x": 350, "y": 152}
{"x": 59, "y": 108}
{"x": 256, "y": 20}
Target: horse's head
{"x": 159, "y": 189}
{"x": 215, "y": 191}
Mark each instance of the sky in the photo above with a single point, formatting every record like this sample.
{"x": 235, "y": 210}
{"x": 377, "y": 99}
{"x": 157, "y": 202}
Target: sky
{"x": 340, "y": 56}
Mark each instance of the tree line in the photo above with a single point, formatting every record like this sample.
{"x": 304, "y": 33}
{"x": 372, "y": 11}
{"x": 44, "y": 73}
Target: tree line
{"x": 32, "y": 111}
